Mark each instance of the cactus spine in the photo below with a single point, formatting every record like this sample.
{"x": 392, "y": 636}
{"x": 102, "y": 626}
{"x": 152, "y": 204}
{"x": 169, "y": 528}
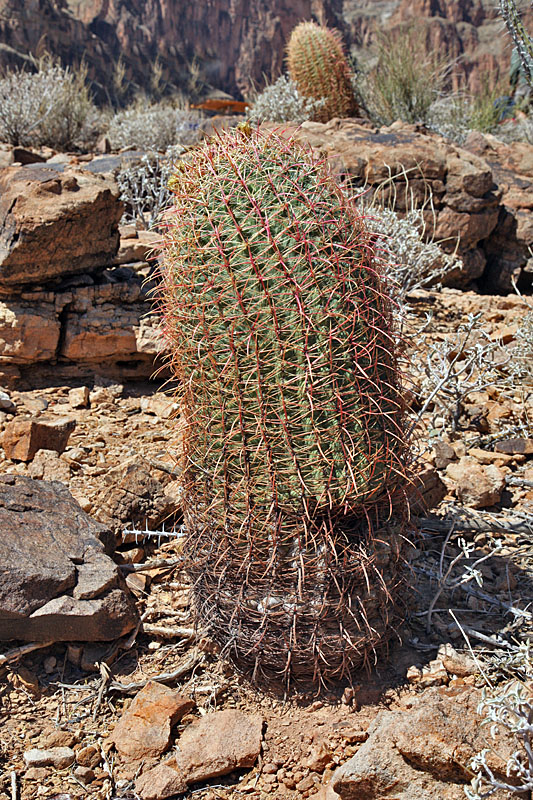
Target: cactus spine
{"x": 280, "y": 335}
{"x": 318, "y": 66}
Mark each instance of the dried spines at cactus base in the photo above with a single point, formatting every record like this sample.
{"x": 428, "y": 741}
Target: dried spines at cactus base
{"x": 318, "y": 66}
{"x": 281, "y": 336}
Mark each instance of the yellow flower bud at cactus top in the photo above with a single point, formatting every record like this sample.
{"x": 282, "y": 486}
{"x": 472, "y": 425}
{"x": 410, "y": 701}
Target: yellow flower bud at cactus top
{"x": 318, "y": 66}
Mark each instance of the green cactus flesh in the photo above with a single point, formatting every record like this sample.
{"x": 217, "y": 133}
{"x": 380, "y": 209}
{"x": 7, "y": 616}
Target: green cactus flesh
{"x": 317, "y": 64}
{"x": 280, "y": 335}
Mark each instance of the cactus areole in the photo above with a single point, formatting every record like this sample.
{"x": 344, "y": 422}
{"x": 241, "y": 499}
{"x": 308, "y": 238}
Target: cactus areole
{"x": 293, "y": 454}
{"x": 318, "y": 66}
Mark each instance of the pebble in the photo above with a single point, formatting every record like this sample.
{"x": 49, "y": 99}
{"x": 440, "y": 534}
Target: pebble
{"x": 58, "y": 757}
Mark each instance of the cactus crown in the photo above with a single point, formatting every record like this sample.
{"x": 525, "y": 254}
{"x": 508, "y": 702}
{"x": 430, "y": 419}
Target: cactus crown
{"x": 318, "y": 66}
{"x": 281, "y": 337}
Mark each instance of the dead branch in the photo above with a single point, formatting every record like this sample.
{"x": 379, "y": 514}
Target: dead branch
{"x": 20, "y": 652}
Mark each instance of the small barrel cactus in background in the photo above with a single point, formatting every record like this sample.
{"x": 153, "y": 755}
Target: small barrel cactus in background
{"x": 319, "y": 68}
{"x": 294, "y": 454}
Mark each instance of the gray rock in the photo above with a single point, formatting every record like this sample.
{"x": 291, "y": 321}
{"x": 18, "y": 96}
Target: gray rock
{"x": 56, "y": 580}
{"x": 6, "y": 403}
{"x": 58, "y": 757}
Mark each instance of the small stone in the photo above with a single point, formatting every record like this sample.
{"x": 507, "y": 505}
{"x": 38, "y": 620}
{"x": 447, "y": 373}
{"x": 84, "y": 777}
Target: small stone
{"x": 138, "y": 583}
{"x": 305, "y": 784}
{"x": 50, "y": 664}
{"x": 7, "y": 404}
{"x": 84, "y": 774}
{"x": 269, "y": 768}
{"x": 456, "y": 663}
{"x": 58, "y": 757}
{"x": 74, "y": 654}
{"x": 24, "y": 437}
{"x": 36, "y": 774}
{"x": 515, "y": 447}
{"x": 444, "y": 454}
{"x": 414, "y": 674}
{"x": 476, "y": 485}
{"x": 79, "y": 397}
{"x": 434, "y": 674}
{"x": 160, "y": 405}
{"x": 57, "y": 738}
{"x": 321, "y": 755}
{"x": 89, "y": 756}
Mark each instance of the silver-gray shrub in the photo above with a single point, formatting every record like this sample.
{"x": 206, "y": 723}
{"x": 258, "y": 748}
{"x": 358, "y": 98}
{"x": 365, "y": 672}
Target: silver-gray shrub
{"x": 282, "y": 102}
{"x": 51, "y": 106}
{"x": 144, "y": 187}
{"x": 153, "y": 127}
{"x": 509, "y": 709}
{"x": 412, "y": 262}
{"x": 522, "y": 361}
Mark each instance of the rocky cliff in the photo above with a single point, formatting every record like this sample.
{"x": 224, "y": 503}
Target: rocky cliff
{"x": 230, "y": 44}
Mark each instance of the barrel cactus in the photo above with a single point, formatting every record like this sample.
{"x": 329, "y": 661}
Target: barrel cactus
{"x": 319, "y": 68}
{"x": 293, "y": 450}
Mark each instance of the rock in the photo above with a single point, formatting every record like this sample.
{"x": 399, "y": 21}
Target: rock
{"x": 79, "y": 397}
{"x": 476, "y": 485}
{"x": 69, "y": 218}
{"x": 133, "y": 497}
{"x": 422, "y": 750}
{"x": 508, "y": 247}
{"x": 48, "y": 466}
{"x": 457, "y": 663}
{"x": 143, "y": 247}
{"x": 144, "y": 729}
{"x": 24, "y": 156}
{"x": 24, "y": 437}
{"x": 444, "y": 454}
{"x": 161, "y": 405}
{"x": 58, "y": 757}
{"x": 320, "y": 756}
{"x": 56, "y": 581}
{"x": 515, "y": 447}
{"x": 6, "y": 403}
{"x": 28, "y": 333}
{"x": 213, "y": 745}
{"x": 89, "y": 756}
{"x": 429, "y": 489}
{"x": 84, "y": 774}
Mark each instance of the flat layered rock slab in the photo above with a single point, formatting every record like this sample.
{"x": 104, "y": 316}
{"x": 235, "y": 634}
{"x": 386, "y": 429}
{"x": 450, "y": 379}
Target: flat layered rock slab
{"x": 212, "y": 746}
{"x": 55, "y": 223}
{"x": 144, "y": 730}
{"x": 57, "y": 582}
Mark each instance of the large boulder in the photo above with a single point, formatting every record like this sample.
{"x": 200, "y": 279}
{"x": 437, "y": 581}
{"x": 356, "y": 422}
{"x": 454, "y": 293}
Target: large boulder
{"x": 509, "y": 248}
{"x": 55, "y": 223}
{"x": 57, "y": 582}
{"x": 460, "y": 190}
{"x": 421, "y": 751}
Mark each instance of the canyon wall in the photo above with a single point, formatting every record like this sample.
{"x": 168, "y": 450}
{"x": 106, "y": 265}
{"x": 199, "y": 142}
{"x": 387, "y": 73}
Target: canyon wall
{"x": 229, "y": 44}
{"x": 233, "y": 45}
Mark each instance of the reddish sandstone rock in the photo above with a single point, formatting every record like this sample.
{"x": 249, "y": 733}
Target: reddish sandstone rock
{"x": 24, "y": 437}
{"x": 144, "y": 729}
{"x": 476, "y": 485}
{"x": 55, "y": 223}
{"x": 421, "y": 750}
{"x": 212, "y": 746}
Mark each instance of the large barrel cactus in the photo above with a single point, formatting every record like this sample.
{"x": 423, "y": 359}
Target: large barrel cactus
{"x": 319, "y": 68}
{"x": 294, "y": 455}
